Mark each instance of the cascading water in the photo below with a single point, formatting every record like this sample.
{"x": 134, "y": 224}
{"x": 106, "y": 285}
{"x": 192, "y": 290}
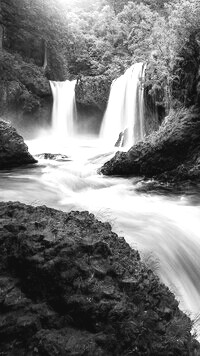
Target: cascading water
{"x": 166, "y": 225}
{"x": 125, "y": 111}
{"x": 64, "y": 109}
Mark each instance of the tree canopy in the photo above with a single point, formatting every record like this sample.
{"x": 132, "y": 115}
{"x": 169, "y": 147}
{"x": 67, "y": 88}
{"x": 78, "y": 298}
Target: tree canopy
{"x": 104, "y": 37}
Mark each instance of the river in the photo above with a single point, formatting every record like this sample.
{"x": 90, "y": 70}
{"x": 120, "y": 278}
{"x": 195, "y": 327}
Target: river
{"x": 163, "y": 225}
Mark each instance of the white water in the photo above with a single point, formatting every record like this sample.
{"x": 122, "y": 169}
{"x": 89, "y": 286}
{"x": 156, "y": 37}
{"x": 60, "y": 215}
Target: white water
{"x": 166, "y": 225}
{"x": 64, "y": 110}
{"x": 125, "y": 110}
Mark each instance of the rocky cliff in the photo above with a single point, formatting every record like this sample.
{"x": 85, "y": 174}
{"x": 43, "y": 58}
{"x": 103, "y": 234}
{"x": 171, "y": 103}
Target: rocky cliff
{"x": 31, "y": 52}
{"x": 93, "y": 91}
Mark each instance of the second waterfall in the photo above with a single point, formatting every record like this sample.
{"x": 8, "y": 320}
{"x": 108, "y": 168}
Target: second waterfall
{"x": 124, "y": 117}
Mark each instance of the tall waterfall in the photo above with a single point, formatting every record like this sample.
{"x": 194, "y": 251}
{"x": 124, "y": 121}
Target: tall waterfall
{"x": 124, "y": 116}
{"x": 64, "y": 109}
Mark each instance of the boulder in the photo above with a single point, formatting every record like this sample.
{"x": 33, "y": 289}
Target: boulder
{"x": 53, "y": 156}
{"x": 171, "y": 153}
{"x": 13, "y": 150}
{"x": 70, "y": 286}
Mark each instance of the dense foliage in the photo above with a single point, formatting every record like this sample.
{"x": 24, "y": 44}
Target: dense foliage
{"x": 101, "y": 39}
{"x": 108, "y": 36}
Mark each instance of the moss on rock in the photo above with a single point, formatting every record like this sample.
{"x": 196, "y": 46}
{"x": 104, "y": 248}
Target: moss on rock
{"x": 93, "y": 91}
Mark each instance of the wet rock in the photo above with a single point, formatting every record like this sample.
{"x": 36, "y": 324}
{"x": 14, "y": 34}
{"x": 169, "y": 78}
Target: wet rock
{"x": 93, "y": 91}
{"x": 70, "y": 286}
{"x": 170, "y": 154}
{"x": 53, "y": 156}
{"x": 121, "y": 141}
{"x": 13, "y": 150}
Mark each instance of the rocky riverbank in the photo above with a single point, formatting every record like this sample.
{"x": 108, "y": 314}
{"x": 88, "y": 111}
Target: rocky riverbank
{"x": 70, "y": 286}
{"x": 170, "y": 154}
{"x": 13, "y": 150}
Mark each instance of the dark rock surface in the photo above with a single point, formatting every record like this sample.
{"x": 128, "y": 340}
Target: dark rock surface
{"x": 171, "y": 153}
{"x": 70, "y": 286}
{"x": 53, "y": 156}
{"x": 121, "y": 141}
{"x": 13, "y": 150}
{"x": 93, "y": 91}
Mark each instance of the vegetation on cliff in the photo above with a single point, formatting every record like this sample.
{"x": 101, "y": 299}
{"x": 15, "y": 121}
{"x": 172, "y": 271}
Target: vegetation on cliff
{"x": 97, "y": 41}
{"x": 172, "y": 81}
{"x": 22, "y": 84}
{"x": 31, "y": 41}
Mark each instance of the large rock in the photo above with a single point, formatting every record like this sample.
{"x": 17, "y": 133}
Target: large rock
{"x": 93, "y": 91}
{"x": 172, "y": 153}
{"x": 70, "y": 286}
{"x": 13, "y": 150}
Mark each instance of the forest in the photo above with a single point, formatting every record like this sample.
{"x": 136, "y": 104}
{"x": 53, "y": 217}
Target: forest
{"x": 102, "y": 39}
{"x": 107, "y": 37}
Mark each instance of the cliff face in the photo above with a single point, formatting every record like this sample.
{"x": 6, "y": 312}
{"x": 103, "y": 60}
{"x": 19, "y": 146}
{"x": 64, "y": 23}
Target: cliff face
{"x": 93, "y": 91}
{"x": 31, "y": 52}
{"x": 35, "y": 30}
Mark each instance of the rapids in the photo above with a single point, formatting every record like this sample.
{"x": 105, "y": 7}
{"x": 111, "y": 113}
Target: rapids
{"x": 165, "y": 227}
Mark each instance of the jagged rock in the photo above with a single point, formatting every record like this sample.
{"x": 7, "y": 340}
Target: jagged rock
{"x": 121, "y": 141}
{"x": 53, "y": 156}
{"x": 13, "y": 150}
{"x": 70, "y": 286}
{"x": 171, "y": 153}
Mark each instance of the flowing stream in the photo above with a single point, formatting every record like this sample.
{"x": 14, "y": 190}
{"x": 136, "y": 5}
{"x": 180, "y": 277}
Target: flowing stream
{"x": 164, "y": 227}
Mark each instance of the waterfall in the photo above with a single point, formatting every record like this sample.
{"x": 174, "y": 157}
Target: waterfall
{"x": 124, "y": 116}
{"x": 64, "y": 109}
